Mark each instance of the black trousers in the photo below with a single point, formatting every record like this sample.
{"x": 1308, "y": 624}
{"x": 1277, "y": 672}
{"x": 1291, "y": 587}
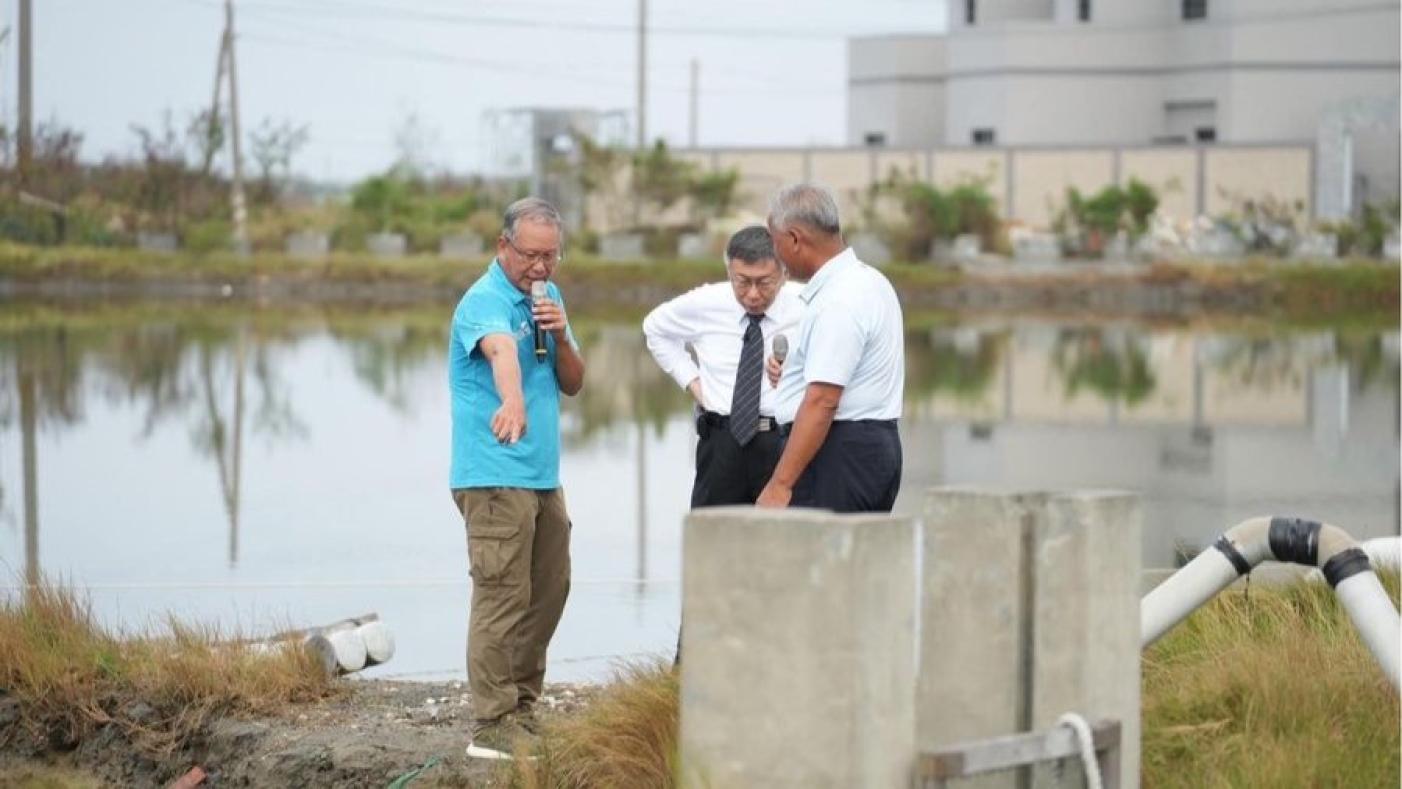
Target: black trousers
{"x": 727, "y": 473}
{"x": 858, "y": 468}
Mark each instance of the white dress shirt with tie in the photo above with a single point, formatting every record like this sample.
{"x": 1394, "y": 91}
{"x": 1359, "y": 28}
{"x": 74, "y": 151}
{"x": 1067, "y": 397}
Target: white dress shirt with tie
{"x": 712, "y": 322}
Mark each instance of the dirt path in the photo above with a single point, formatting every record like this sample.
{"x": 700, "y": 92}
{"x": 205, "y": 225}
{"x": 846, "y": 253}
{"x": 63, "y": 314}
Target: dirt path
{"x": 369, "y": 736}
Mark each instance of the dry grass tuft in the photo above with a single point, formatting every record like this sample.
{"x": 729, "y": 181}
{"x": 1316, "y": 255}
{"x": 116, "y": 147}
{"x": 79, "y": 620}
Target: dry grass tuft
{"x": 70, "y": 676}
{"x": 625, "y": 738}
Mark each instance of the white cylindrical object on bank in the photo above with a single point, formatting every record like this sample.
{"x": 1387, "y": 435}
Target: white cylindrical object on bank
{"x": 349, "y": 648}
{"x": 379, "y": 642}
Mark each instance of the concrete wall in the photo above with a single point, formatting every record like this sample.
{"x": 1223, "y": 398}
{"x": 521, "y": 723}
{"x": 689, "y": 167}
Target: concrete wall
{"x": 1035, "y": 186}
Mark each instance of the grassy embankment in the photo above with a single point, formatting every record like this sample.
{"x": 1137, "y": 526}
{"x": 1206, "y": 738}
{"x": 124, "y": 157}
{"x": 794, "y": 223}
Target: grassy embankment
{"x": 1260, "y": 688}
{"x": 70, "y": 676}
{"x": 1303, "y": 292}
{"x": 1265, "y": 687}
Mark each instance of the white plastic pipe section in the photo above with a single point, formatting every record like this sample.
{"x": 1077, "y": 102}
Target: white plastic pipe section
{"x": 342, "y": 649}
{"x": 1344, "y": 565}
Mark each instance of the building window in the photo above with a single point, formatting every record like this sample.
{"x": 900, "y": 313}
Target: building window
{"x": 984, "y": 137}
{"x": 1205, "y": 134}
{"x": 1083, "y": 10}
{"x": 1194, "y": 9}
{"x": 874, "y": 139}
{"x": 969, "y": 11}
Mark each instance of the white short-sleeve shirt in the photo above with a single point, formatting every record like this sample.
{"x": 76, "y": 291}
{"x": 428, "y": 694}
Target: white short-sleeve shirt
{"x": 852, "y": 335}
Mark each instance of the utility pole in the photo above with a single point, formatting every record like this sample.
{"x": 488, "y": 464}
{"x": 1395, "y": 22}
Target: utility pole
{"x": 240, "y": 210}
{"x": 26, "y": 90}
{"x": 695, "y": 102}
{"x": 642, "y": 75}
{"x": 214, "y": 121}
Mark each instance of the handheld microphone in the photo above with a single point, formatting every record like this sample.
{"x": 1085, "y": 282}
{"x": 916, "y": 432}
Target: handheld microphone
{"x": 781, "y": 348}
{"x": 538, "y": 293}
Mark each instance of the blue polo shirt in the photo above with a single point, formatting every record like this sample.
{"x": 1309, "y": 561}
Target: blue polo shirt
{"x": 495, "y": 306}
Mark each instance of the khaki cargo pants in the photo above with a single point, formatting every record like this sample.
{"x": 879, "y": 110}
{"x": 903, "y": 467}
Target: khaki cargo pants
{"x": 518, "y": 542}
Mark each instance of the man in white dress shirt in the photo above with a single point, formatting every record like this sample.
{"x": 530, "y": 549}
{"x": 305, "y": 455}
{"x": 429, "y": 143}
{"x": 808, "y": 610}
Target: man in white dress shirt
{"x": 839, "y": 397}
{"x": 731, "y": 327}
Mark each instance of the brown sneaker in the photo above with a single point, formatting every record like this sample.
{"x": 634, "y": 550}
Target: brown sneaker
{"x": 499, "y": 739}
{"x": 525, "y": 716}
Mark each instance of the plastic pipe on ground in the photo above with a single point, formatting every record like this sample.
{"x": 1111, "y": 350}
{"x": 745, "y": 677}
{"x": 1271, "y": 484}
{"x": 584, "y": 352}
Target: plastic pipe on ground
{"x": 1343, "y": 563}
{"x": 379, "y": 642}
{"x": 350, "y": 649}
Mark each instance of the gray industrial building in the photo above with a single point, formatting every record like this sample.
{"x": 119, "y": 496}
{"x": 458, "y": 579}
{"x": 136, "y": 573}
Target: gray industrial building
{"x": 1031, "y": 73}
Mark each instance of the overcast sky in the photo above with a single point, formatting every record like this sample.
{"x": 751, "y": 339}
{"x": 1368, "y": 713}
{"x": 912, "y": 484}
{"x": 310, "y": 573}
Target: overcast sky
{"x": 773, "y": 72}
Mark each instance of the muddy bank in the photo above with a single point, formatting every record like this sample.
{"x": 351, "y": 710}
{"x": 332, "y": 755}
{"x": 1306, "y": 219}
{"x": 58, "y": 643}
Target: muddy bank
{"x": 370, "y": 735}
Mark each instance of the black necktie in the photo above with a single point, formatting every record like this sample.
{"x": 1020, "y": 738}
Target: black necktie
{"x": 744, "y": 402}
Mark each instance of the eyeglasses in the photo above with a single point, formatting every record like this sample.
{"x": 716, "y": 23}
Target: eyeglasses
{"x": 545, "y": 258}
{"x": 763, "y": 284}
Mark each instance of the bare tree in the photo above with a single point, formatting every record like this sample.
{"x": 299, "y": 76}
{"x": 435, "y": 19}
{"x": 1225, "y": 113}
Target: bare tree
{"x": 273, "y": 146}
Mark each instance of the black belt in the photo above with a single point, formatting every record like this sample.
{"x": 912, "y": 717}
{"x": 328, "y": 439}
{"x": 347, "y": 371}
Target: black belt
{"x": 712, "y": 419}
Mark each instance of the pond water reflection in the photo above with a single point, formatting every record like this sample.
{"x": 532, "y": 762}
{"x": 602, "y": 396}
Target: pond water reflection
{"x": 256, "y": 470}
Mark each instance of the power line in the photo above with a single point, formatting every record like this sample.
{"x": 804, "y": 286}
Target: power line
{"x": 394, "y": 13}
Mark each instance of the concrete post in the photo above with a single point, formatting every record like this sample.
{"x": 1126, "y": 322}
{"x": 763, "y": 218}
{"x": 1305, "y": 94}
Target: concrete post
{"x": 1085, "y": 649}
{"x": 798, "y": 649}
{"x": 970, "y": 618}
{"x": 1029, "y": 609}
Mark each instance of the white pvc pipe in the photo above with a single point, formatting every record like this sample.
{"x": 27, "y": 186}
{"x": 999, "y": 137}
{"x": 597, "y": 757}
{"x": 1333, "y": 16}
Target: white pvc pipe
{"x": 1368, "y": 605}
{"x": 1171, "y": 601}
{"x": 350, "y": 649}
{"x": 1211, "y": 571}
{"x": 379, "y": 642}
{"x": 1384, "y": 553}
{"x": 321, "y": 647}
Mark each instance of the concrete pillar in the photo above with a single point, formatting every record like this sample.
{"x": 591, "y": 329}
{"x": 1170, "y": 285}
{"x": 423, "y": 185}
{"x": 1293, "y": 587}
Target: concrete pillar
{"x": 798, "y": 649}
{"x": 1085, "y": 648}
{"x": 970, "y": 618}
{"x": 1029, "y": 609}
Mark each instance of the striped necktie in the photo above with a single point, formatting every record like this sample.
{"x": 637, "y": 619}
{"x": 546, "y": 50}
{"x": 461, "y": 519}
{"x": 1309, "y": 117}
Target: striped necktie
{"x": 744, "y": 402}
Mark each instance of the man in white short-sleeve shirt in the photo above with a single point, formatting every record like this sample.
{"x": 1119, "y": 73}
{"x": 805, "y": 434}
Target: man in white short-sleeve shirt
{"x": 839, "y": 397}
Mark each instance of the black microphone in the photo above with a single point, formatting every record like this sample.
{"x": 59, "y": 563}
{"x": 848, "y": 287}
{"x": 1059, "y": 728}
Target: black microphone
{"x": 538, "y": 293}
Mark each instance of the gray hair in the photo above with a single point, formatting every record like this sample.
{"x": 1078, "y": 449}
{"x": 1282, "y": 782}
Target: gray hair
{"x": 807, "y": 204}
{"x": 750, "y": 245}
{"x": 529, "y": 209}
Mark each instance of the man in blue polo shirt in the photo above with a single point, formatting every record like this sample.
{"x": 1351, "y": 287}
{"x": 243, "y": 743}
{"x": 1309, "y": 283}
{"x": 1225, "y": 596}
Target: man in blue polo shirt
{"x": 505, "y": 475}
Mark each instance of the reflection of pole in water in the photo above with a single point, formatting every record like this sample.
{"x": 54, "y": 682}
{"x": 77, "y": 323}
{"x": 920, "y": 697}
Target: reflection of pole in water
{"x": 230, "y": 468}
{"x": 28, "y": 420}
{"x": 642, "y": 512}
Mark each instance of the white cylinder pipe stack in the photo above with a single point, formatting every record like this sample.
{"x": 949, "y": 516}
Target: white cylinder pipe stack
{"x": 1342, "y": 561}
{"x": 379, "y": 642}
{"x": 350, "y": 649}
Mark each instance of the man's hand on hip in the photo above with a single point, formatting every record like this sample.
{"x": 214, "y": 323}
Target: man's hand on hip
{"x": 509, "y": 422}
{"x": 695, "y": 389}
